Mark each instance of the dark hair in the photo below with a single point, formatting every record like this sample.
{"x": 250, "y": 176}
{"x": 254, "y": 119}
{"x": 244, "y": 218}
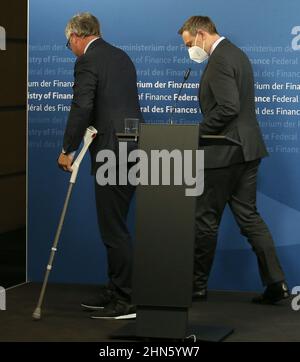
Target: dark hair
{"x": 194, "y": 23}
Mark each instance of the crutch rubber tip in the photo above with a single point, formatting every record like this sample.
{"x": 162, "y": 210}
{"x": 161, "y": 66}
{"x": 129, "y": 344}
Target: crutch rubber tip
{"x": 37, "y": 314}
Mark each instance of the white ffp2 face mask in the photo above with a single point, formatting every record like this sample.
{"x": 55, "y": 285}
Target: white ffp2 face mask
{"x": 197, "y": 54}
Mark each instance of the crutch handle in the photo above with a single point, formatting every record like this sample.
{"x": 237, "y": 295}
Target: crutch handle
{"x": 90, "y": 134}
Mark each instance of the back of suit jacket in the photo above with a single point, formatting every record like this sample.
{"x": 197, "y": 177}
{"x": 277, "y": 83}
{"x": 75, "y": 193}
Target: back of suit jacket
{"x": 226, "y": 97}
{"x": 105, "y": 93}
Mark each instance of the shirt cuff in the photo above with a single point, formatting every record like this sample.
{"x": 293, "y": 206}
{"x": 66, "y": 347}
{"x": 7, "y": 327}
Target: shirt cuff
{"x": 71, "y": 153}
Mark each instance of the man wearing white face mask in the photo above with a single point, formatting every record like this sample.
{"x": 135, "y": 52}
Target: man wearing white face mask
{"x": 105, "y": 93}
{"x": 226, "y": 98}
{"x": 196, "y": 53}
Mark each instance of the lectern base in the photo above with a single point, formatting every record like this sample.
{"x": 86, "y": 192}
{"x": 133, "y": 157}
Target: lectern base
{"x": 194, "y": 333}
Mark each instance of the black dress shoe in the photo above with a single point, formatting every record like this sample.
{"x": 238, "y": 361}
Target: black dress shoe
{"x": 200, "y": 295}
{"x": 273, "y": 294}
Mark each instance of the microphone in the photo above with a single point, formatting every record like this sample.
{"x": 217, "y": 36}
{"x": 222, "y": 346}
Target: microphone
{"x": 185, "y": 78}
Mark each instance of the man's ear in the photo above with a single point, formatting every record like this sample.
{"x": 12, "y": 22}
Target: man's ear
{"x": 201, "y": 33}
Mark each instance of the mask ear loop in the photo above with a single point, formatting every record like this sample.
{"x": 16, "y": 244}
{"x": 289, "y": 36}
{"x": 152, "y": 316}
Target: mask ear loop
{"x": 196, "y": 39}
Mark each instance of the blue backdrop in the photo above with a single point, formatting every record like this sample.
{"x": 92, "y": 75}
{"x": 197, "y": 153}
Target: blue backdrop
{"x": 268, "y": 31}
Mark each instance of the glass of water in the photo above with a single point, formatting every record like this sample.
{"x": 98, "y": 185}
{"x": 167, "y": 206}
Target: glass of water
{"x": 131, "y": 125}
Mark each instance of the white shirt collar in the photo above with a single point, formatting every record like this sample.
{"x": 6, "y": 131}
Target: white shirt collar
{"x": 215, "y": 44}
{"x": 89, "y": 43}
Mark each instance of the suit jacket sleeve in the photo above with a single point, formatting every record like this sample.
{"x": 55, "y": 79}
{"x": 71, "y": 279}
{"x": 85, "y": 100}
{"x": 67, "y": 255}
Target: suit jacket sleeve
{"x": 84, "y": 92}
{"x": 223, "y": 86}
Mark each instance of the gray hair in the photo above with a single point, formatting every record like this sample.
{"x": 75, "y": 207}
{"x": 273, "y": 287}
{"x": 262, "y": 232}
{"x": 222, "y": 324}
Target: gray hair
{"x": 83, "y": 24}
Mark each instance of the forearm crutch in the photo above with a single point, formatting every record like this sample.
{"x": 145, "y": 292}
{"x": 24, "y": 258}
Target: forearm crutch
{"x": 90, "y": 134}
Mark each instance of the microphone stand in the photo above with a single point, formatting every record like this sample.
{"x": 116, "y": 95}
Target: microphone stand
{"x": 185, "y": 78}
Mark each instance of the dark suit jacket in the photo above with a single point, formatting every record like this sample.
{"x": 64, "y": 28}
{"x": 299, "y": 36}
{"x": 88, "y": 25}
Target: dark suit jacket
{"x": 226, "y": 97}
{"x": 105, "y": 92}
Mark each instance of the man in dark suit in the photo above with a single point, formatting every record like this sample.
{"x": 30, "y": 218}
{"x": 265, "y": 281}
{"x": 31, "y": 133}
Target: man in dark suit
{"x": 105, "y": 93}
{"x": 226, "y": 97}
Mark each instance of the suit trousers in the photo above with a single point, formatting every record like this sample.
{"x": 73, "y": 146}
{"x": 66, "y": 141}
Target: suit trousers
{"x": 235, "y": 185}
{"x": 112, "y": 204}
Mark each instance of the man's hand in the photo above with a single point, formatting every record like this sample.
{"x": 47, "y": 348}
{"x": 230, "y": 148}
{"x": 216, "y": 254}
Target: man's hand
{"x": 65, "y": 162}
